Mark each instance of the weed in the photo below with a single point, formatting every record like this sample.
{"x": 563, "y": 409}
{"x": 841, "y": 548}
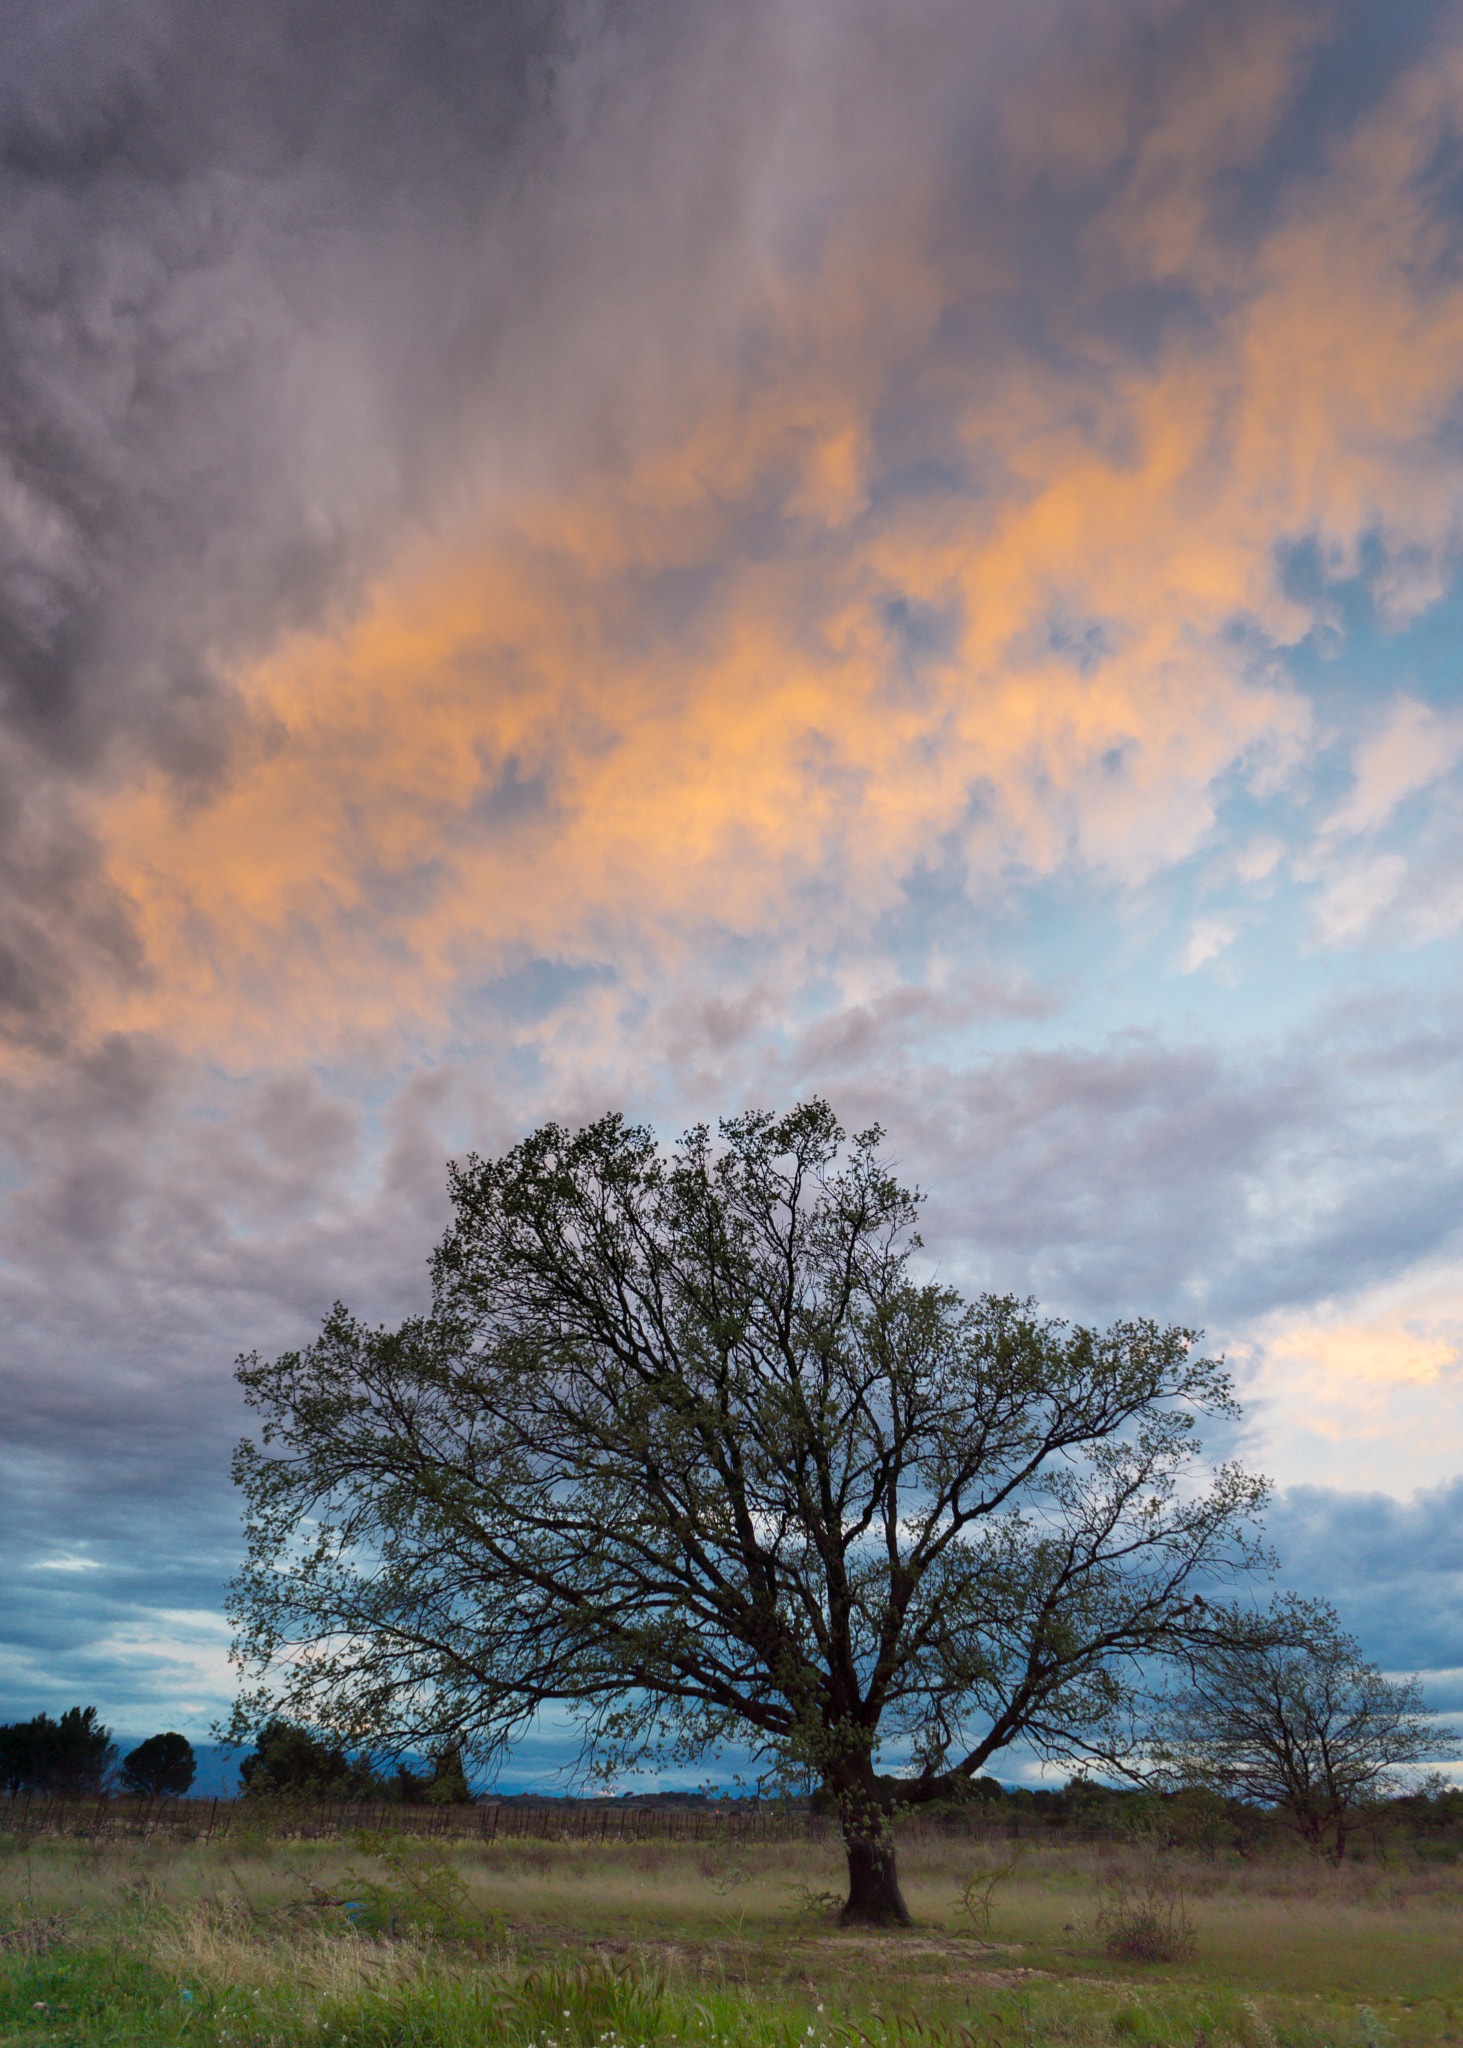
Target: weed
{"x": 817, "y": 1905}
{"x": 423, "y": 1894}
{"x": 978, "y": 1894}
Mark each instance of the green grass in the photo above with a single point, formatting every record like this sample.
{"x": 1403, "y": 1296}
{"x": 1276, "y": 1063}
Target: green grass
{"x": 549, "y": 1945}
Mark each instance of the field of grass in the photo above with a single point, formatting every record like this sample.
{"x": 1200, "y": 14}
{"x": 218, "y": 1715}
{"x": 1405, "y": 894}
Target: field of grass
{"x": 391, "y": 1940}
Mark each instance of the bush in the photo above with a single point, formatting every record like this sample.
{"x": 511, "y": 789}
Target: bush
{"x": 1143, "y": 1911}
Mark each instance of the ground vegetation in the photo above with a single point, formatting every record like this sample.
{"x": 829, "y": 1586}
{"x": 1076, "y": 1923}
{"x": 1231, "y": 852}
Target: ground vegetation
{"x": 378, "y": 1939}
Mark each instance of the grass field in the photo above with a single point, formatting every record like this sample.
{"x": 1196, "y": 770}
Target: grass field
{"x": 393, "y": 1940}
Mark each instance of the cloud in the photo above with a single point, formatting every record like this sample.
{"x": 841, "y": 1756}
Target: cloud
{"x": 1415, "y": 747}
{"x": 1209, "y": 938}
{"x": 1393, "y": 1567}
{"x": 1364, "y": 1389}
{"x": 674, "y": 689}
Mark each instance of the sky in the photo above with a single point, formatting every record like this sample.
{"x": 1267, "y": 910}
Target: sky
{"x": 558, "y": 557}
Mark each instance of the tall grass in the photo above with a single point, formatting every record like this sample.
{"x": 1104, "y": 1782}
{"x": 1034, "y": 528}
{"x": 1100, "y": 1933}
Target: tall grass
{"x": 537, "y": 1944}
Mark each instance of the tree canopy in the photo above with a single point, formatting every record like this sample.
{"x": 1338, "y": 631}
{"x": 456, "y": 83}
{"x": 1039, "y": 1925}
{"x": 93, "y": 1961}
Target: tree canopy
{"x": 163, "y": 1767}
{"x": 71, "y": 1754}
{"x": 689, "y": 1447}
{"x": 290, "y": 1761}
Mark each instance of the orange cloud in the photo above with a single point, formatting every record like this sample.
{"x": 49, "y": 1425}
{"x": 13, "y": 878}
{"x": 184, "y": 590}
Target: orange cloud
{"x": 1359, "y": 1392}
{"x": 671, "y": 699}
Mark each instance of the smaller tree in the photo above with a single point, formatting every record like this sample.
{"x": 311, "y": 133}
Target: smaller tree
{"x": 289, "y": 1759}
{"x": 449, "y": 1779}
{"x": 14, "y": 1755}
{"x": 1281, "y": 1709}
{"x": 163, "y": 1767}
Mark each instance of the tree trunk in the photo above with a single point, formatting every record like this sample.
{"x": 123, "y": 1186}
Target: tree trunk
{"x": 874, "y": 1897}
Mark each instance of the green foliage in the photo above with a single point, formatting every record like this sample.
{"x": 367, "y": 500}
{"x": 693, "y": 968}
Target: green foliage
{"x": 162, "y": 1767}
{"x": 448, "y": 1785}
{"x": 1197, "y": 1818}
{"x": 72, "y": 1754}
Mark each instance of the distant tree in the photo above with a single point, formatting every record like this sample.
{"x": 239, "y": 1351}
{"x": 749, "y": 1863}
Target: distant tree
{"x": 1281, "y": 1709}
{"x": 1198, "y": 1818}
{"x": 163, "y": 1767}
{"x": 289, "y": 1759}
{"x": 449, "y": 1779}
{"x": 407, "y": 1786}
{"x": 72, "y": 1754}
{"x": 14, "y": 1755}
{"x": 444, "y": 1785}
{"x": 686, "y": 1446}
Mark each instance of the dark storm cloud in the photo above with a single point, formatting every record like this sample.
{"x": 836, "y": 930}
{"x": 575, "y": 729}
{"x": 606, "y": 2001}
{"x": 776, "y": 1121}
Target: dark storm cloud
{"x": 215, "y": 363}
{"x": 207, "y": 222}
{"x": 1392, "y": 1568}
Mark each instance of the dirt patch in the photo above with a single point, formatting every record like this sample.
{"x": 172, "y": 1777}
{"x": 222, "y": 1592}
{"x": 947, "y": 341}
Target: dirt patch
{"x": 914, "y": 1944}
{"x": 964, "y": 1963}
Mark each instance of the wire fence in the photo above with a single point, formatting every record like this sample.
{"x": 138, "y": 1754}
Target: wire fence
{"x": 100, "y": 1818}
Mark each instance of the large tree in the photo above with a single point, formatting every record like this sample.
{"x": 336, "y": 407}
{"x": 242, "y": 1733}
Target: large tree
{"x": 686, "y": 1448}
{"x": 1282, "y": 1709}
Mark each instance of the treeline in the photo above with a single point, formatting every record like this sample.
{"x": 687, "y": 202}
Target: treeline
{"x": 1194, "y": 1817}
{"x": 76, "y": 1754}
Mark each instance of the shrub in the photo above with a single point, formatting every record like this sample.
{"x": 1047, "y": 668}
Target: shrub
{"x": 1143, "y": 1912}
